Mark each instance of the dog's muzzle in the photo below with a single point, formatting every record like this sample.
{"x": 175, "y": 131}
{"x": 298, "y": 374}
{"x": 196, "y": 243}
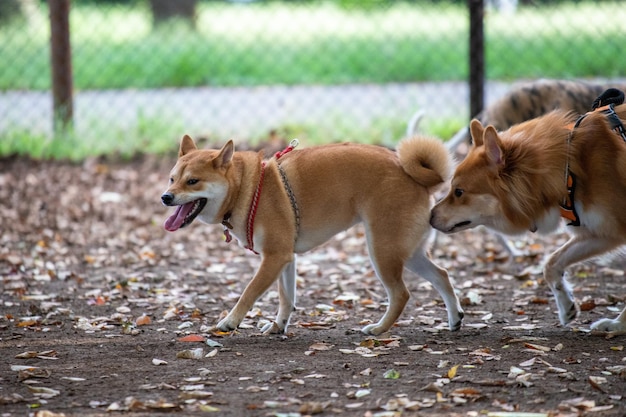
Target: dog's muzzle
{"x": 167, "y": 199}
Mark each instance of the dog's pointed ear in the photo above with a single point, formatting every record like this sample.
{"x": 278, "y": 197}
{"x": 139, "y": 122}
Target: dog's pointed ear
{"x": 477, "y": 130}
{"x": 186, "y": 145}
{"x": 493, "y": 147}
{"x": 223, "y": 159}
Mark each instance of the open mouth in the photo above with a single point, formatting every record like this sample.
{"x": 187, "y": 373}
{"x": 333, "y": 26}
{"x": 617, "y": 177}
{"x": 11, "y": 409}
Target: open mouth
{"x": 460, "y": 225}
{"x": 184, "y": 214}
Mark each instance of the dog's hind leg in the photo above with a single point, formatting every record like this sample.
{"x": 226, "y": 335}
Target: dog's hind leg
{"x": 271, "y": 267}
{"x": 287, "y": 294}
{"x": 388, "y": 266}
{"x": 577, "y": 249}
{"x": 424, "y": 267}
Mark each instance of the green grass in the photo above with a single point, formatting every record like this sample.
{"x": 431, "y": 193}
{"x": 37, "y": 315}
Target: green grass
{"x": 309, "y": 43}
{"x": 151, "y": 136}
{"x": 577, "y": 40}
{"x": 256, "y": 44}
{"x": 154, "y": 136}
{"x": 277, "y": 43}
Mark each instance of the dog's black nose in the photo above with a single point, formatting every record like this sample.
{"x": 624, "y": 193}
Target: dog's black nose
{"x": 167, "y": 199}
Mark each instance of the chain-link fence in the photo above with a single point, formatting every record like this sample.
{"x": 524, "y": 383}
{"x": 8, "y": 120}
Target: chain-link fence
{"x": 145, "y": 72}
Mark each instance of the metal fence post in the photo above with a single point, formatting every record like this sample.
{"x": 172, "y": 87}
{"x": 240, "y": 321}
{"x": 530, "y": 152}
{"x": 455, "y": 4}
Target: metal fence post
{"x": 476, "y": 57}
{"x": 61, "y": 63}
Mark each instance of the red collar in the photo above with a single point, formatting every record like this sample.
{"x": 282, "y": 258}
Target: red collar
{"x": 254, "y": 205}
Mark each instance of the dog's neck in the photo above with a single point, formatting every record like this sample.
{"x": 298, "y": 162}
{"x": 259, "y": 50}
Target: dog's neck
{"x": 243, "y": 180}
{"x": 534, "y": 174}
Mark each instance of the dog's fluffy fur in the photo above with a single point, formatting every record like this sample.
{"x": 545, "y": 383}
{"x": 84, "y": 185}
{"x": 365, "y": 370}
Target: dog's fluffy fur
{"x": 514, "y": 182}
{"x": 529, "y": 100}
{"x": 335, "y": 187}
{"x": 534, "y": 99}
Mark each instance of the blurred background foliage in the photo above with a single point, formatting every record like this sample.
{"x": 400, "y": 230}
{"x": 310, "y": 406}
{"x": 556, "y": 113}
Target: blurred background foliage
{"x": 147, "y": 71}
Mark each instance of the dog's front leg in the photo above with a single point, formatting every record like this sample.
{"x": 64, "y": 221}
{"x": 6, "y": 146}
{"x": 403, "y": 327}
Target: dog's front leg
{"x": 287, "y": 293}
{"x": 577, "y": 249}
{"x": 271, "y": 267}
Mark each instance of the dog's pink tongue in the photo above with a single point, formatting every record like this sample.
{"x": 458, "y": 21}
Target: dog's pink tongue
{"x": 174, "y": 222}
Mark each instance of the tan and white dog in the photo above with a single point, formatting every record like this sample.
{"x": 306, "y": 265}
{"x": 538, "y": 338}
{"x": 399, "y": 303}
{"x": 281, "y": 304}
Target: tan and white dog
{"x": 529, "y": 176}
{"x": 297, "y": 200}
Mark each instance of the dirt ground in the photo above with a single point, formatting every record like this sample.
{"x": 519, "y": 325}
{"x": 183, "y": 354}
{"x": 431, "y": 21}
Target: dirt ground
{"x": 100, "y": 307}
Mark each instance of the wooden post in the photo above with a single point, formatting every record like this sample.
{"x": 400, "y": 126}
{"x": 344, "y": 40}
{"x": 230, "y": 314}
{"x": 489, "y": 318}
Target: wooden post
{"x": 61, "y": 63}
{"x": 476, "y": 57}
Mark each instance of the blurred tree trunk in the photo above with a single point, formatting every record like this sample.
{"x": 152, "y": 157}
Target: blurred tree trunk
{"x": 164, "y": 10}
{"x": 61, "y": 65}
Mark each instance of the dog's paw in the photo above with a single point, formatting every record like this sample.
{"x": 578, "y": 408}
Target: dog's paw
{"x": 455, "y": 323}
{"x": 272, "y": 328}
{"x": 373, "y": 329}
{"x": 563, "y": 295}
{"x": 609, "y": 325}
{"x": 227, "y": 324}
{"x": 567, "y": 313}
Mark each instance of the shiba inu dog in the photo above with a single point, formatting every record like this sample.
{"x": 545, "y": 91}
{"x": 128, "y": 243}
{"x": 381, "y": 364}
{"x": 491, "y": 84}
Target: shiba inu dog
{"x": 528, "y": 177}
{"x": 299, "y": 199}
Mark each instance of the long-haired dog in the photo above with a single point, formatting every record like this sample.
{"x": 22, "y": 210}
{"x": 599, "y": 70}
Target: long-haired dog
{"x": 530, "y": 176}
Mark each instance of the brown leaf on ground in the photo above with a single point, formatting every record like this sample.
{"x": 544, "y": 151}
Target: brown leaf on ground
{"x": 96, "y": 296}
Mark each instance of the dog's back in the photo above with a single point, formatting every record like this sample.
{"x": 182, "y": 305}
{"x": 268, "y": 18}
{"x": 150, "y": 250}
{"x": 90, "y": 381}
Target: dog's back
{"x": 531, "y": 100}
{"x": 342, "y": 184}
{"x": 598, "y": 161}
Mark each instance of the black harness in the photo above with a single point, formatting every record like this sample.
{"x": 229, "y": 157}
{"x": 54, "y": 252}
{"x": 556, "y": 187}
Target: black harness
{"x": 605, "y": 103}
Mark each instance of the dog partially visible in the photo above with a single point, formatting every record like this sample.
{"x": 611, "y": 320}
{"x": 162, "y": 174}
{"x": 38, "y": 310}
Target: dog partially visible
{"x": 533, "y": 99}
{"x": 526, "y": 101}
{"x": 299, "y": 199}
{"x": 527, "y": 177}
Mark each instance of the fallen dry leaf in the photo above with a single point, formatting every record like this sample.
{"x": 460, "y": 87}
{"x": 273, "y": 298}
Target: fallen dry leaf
{"x": 192, "y": 338}
{"x": 596, "y": 381}
{"x": 452, "y": 371}
{"x": 190, "y": 354}
{"x": 84, "y": 253}
{"x": 46, "y": 413}
{"x": 143, "y": 320}
{"x": 321, "y": 346}
{"x": 44, "y": 392}
{"x": 391, "y": 374}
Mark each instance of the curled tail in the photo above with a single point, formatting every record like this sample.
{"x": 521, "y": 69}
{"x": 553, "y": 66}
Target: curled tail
{"x": 426, "y": 160}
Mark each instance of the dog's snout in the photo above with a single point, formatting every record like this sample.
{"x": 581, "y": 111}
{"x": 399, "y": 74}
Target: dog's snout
{"x": 167, "y": 198}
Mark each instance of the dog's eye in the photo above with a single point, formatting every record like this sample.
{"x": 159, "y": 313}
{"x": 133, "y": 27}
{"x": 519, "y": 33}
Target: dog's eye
{"x": 171, "y": 180}
{"x": 458, "y": 192}
{"x": 192, "y": 181}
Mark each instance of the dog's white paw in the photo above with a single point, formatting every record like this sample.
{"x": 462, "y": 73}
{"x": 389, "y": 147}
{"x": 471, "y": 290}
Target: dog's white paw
{"x": 272, "y": 328}
{"x": 455, "y": 321}
{"x": 609, "y": 325}
{"x": 565, "y": 303}
{"x": 567, "y": 312}
{"x": 373, "y": 329}
{"x": 227, "y": 324}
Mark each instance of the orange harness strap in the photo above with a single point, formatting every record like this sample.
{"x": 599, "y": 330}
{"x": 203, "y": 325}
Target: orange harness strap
{"x": 568, "y": 210}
